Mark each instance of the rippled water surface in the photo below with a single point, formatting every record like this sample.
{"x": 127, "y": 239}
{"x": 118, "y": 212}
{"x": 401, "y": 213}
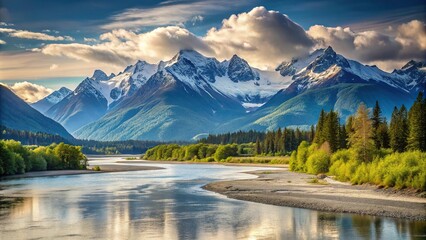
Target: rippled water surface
{"x": 169, "y": 204}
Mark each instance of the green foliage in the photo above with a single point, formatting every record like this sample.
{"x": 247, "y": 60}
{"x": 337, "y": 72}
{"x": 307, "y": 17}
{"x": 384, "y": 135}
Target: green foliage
{"x": 417, "y": 124}
{"x": 16, "y": 158}
{"x": 96, "y": 168}
{"x": 399, "y": 129}
{"x": 318, "y": 162}
{"x": 360, "y": 138}
{"x": 225, "y": 151}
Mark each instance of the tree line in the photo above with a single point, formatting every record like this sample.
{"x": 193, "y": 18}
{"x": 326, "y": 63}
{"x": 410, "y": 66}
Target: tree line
{"x": 88, "y": 146}
{"x": 16, "y": 158}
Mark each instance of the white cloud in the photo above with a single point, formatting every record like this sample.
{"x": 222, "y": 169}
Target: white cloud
{"x": 34, "y": 35}
{"x": 30, "y": 92}
{"x": 394, "y": 47}
{"x": 2, "y": 42}
{"x": 121, "y": 47}
{"x": 167, "y": 13}
{"x": 196, "y": 19}
{"x": 6, "y": 24}
{"x": 264, "y": 38}
{"x": 90, "y": 39}
{"x": 53, "y": 66}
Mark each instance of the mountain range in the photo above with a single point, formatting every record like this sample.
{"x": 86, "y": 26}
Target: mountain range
{"x": 192, "y": 95}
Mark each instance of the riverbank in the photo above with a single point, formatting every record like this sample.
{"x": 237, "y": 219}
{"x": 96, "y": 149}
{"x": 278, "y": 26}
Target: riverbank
{"x": 285, "y": 188}
{"x": 105, "y": 168}
{"x": 209, "y": 163}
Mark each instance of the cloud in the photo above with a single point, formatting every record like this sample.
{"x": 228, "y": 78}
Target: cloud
{"x": 6, "y": 24}
{"x": 34, "y": 35}
{"x": 406, "y": 41}
{"x": 121, "y": 47}
{"x": 53, "y": 67}
{"x": 2, "y": 42}
{"x": 196, "y": 19}
{"x": 30, "y": 92}
{"x": 264, "y": 38}
{"x": 90, "y": 39}
{"x": 167, "y": 13}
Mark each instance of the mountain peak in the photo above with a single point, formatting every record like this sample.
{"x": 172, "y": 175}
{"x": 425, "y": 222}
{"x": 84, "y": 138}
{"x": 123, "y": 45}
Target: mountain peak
{"x": 240, "y": 70}
{"x": 99, "y": 75}
{"x": 413, "y": 63}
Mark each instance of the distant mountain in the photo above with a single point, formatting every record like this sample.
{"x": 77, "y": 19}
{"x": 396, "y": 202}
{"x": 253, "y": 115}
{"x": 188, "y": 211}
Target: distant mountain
{"x": 17, "y": 114}
{"x": 44, "y": 104}
{"x": 92, "y": 97}
{"x": 327, "y": 80}
{"x": 191, "y": 95}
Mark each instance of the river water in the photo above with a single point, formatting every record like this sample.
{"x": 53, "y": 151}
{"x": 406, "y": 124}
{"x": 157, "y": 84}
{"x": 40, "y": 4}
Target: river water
{"x": 170, "y": 204}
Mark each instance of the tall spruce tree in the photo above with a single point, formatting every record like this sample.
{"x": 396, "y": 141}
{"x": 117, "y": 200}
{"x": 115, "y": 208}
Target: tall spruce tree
{"x": 376, "y": 121}
{"x": 319, "y": 133}
{"x": 417, "y": 122}
{"x": 361, "y": 138}
{"x": 399, "y": 129}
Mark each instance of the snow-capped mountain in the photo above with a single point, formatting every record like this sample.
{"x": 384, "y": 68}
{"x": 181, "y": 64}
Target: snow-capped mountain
{"x": 327, "y": 80}
{"x": 192, "y": 94}
{"x": 44, "y": 104}
{"x": 234, "y": 78}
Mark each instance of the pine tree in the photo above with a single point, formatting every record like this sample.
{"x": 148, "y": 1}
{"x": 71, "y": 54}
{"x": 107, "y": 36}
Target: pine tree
{"x": 399, "y": 129}
{"x": 319, "y": 135}
{"x": 361, "y": 139}
{"x": 349, "y": 128}
{"x": 312, "y": 134}
{"x": 376, "y": 122}
{"x": 343, "y": 137}
{"x": 416, "y": 138}
{"x": 258, "y": 147}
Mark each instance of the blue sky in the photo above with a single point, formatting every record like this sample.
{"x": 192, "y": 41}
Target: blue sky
{"x": 54, "y": 43}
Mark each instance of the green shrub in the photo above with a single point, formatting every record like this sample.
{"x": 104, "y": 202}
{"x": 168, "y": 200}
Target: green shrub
{"x": 318, "y": 162}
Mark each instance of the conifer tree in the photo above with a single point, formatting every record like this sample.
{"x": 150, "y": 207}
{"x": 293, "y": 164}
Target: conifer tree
{"x": 361, "y": 138}
{"x": 258, "y": 147}
{"x": 376, "y": 122}
{"x": 416, "y": 138}
{"x": 319, "y": 136}
{"x": 399, "y": 129}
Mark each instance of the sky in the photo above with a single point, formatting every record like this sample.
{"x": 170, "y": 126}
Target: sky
{"x": 49, "y": 44}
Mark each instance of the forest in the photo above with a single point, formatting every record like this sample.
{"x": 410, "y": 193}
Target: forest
{"x": 17, "y": 159}
{"x": 88, "y": 146}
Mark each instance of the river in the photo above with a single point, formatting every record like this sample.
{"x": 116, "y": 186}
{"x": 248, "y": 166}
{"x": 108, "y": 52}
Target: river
{"x": 169, "y": 204}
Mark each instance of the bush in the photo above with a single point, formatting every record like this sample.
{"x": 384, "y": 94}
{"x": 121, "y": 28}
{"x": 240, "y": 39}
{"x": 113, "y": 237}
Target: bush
{"x": 38, "y": 163}
{"x": 318, "y": 162}
{"x": 225, "y": 151}
{"x": 96, "y": 168}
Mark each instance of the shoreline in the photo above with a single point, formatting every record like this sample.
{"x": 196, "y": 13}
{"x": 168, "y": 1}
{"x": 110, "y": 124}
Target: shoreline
{"x": 211, "y": 163}
{"x": 290, "y": 189}
{"x": 107, "y": 168}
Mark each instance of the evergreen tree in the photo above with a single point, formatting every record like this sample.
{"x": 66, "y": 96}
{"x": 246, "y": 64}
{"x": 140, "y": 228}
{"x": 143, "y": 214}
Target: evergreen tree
{"x": 258, "y": 147}
{"x": 376, "y": 122}
{"x": 416, "y": 138}
{"x": 382, "y": 135}
{"x": 319, "y": 136}
{"x": 399, "y": 129}
{"x": 343, "y": 137}
{"x": 361, "y": 138}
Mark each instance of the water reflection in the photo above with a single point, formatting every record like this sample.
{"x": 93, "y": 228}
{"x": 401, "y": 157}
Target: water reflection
{"x": 169, "y": 204}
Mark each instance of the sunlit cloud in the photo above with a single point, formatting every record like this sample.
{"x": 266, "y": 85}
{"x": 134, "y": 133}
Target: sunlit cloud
{"x": 34, "y": 35}
{"x": 53, "y": 67}
{"x": 405, "y": 42}
{"x": 30, "y": 92}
